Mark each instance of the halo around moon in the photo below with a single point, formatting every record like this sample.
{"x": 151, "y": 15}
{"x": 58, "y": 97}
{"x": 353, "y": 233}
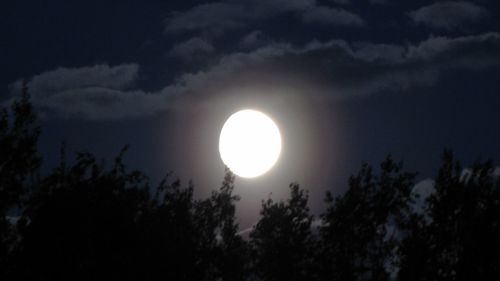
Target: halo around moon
{"x": 249, "y": 143}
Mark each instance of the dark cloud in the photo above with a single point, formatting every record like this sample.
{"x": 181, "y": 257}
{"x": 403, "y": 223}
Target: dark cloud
{"x": 448, "y": 15}
{"x": 342, "y": 2}
{"x": 191, "y": 48}
{"x": 92, "y": 92}
{"x": 119, "y": 77}
{"x": 331, "y": 16}
{"x": 379, "y": 52}
{"x": 217, "y": 17}
{"x": 254, "y": 40}
{"x": 333, "y": 69}
{"x": 339, "y": 69}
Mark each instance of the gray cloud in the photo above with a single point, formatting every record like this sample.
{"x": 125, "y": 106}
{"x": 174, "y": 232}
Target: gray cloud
{"x": 254, "y": 40}
{"x": 426, "y": 188}
{"x": 61, "y": 79}
{"x": 217, "y": 17}
{"x": 332, "y": 16}
{"x": 93, "y": 92}
{"x": 422, "y": 190}
{"x": 332, "y": 70}
{"x": 338, "y": 69}
{"x": 379, "y": 52}
{"x": 191, "y": 48}
{"x": 448, "y": 15}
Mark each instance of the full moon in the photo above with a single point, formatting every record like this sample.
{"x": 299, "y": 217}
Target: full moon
{"x": 249, "y": 143}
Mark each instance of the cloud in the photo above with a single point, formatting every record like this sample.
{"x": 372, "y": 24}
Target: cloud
{"x": 218, "y": 17}
{"x": 191, "y": 48}
{"x": 335, "y": 69}
{"x": 426, "y": 188}
{"x": 254, "y": 40}
{"x": 448, "y": 15}
{"x": 422, "y": 190}
{"x": 338, "y": 69}
{"x": 93, "y": 92}
{"x": 379, "y": 52}
{"x": 331, "y": 16}
{"x": 119, "y": 77}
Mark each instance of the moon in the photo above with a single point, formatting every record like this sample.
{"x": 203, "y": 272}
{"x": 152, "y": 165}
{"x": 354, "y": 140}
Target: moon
{"x": 249, "y": 143}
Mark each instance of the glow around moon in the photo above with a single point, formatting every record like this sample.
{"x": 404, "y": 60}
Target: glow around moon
{"x": 249, "y": 143}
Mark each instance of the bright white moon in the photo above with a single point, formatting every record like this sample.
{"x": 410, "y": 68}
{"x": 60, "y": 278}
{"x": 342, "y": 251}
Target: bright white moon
{"x": 249, "y": 143}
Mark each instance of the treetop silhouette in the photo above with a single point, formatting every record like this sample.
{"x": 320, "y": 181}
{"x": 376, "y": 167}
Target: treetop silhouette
{"x": 89, "y": 221}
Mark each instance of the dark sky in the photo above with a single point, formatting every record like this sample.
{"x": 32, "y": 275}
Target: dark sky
{"x": 347, "y": 82}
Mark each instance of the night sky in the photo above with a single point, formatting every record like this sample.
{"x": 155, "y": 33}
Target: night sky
{"x": 346, "y": 81}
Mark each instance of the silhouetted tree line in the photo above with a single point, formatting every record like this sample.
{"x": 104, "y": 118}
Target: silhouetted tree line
{"x": 86, "y": 221}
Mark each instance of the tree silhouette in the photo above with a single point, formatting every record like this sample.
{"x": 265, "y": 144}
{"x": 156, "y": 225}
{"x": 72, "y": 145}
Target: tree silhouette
{"x": 281, "y": 241}
{"x": 359, "y": 232}
{"x": 167, "y": 235}
{"x": 193, "y": 239}
{"x": 88, "y": 221}
{"x": 461, "y": 238}
{"x": 414, "y": 252}
{"x": 230, "y": 259}
{"x": 80, "y": 223}
{"x": 19, "y": 162}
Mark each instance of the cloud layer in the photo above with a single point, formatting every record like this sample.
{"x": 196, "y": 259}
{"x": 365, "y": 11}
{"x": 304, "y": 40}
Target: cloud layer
{"x": 340, "y": 69}
{"x": 192, "y": 48}
{"x": 327, "y": 70}
{"x": 331, "y": 16}
{"x": 92, "y": 92}
{"x": 448, "y": 15}
{"x": 217, "y": 17}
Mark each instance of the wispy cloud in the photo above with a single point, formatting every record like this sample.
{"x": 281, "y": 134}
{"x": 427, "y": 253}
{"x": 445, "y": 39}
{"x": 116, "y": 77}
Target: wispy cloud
{"x": 334, "y": 69}
{"x": 191, "y": 49}
{"x": 449, "y": 15}
{"x": 93, "y": 92}
{"x": 331, "y": 16}
{"x": 217, "y": 17}
{"x": 254, "y": 39}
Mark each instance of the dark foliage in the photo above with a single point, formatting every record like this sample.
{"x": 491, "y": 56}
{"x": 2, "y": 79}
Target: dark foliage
{"x": 19, "y": 162}
{"x": 359, "y": 234}
{"x": 88, "y": 221}
{"x": 281, "y": 241}
{"x": 458, "y": 237}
